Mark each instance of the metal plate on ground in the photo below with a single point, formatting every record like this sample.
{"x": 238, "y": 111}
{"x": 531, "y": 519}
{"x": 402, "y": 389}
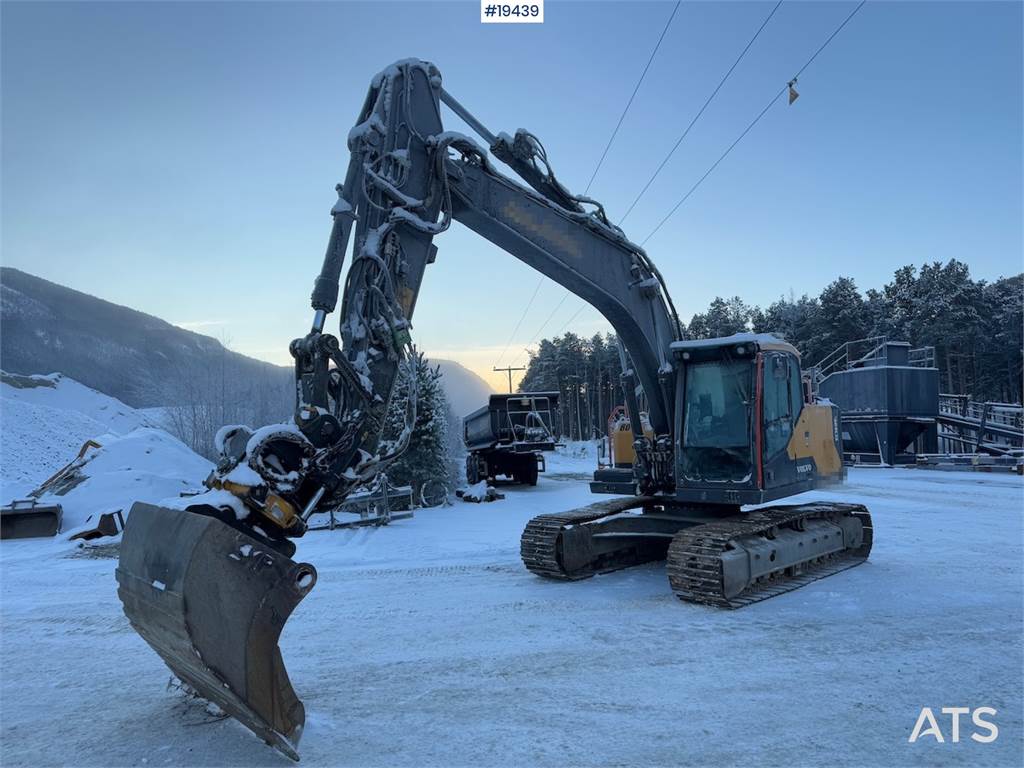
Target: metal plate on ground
{"x": 28, "y": 519}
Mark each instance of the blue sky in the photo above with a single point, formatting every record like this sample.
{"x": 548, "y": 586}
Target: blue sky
{"x": 181, "y": 158}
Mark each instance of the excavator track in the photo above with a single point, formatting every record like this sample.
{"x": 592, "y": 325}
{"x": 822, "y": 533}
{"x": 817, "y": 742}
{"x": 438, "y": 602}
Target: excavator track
{"x": 542, "y": 546}
{"x": 706, "y": 562}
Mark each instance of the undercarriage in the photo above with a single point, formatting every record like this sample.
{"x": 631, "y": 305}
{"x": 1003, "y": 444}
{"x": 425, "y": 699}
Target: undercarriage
{"x": 715, "y": 555}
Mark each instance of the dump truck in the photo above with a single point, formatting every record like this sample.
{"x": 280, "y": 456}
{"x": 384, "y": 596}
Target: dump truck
{"x": 508, "y": 436}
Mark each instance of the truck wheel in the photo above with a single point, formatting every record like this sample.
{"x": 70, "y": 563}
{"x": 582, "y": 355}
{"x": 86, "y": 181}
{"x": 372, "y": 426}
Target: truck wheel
{"x": 530, "y": 474}
{"x": 472, "y": 470}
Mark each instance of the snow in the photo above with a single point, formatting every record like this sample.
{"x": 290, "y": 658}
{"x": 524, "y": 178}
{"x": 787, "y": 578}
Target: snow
{"x": 214, "y": 498}
{"x": 271, "y": 430}
{"x": 736, "y": 338}
{"x": 359, "y": 132}
{"x": 224, "y": 433}
{"x": 144, "y": 465}
{"x": 243, "y": 474}
{"x": 342, "y": 206}
{"x": 427, "y": 643}
{"x": 476, "y": 492}
{"x": 43, "y": 428}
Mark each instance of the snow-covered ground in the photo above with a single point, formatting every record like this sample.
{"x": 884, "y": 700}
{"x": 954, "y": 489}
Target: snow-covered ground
{"x": 427, "y": 643}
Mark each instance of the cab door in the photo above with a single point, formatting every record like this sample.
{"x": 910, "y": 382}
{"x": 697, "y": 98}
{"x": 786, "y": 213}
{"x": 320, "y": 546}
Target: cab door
{"x": 781, "y": 401}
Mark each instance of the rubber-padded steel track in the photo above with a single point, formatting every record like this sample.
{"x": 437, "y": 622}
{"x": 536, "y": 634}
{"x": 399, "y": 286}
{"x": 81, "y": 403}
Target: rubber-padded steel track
{"x": 540, "y": 545}
{"x": 695, "y": 568}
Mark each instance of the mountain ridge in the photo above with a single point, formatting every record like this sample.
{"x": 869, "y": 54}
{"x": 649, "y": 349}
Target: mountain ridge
{"x": 134, "y": 356}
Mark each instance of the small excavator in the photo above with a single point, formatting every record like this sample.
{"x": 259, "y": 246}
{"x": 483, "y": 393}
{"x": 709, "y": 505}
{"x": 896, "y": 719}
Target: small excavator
{"x": 730, "y": 423}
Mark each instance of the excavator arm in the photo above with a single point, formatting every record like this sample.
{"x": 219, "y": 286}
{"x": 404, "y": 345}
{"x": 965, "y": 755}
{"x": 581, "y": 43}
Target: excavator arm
{"x": 224, "y": 557}
{"x": 407, "y": 180}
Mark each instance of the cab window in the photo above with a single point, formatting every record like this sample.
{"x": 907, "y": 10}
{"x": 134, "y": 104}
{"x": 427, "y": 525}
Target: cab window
{"x": 778, "y": 402}
{"x": 716, "y": 434}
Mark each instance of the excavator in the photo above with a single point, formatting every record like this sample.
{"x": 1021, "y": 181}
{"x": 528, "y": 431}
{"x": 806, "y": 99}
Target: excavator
{"x": 729, "y": 425}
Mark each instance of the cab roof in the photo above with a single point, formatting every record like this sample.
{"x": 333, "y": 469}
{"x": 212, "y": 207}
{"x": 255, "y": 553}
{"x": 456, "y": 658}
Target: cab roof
{"x": 767, "y": 341}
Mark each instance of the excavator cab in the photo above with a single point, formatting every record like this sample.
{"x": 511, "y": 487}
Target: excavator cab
{"x": 747, "y": 430}
{"x": 746, "y": 433}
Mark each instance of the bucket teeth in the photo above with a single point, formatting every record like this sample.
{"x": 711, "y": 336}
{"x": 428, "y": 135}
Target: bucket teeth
{"x": 212, "y": 602}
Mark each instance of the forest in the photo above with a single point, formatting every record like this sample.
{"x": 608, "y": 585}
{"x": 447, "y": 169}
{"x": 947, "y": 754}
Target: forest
{"x": 976, "y": 328}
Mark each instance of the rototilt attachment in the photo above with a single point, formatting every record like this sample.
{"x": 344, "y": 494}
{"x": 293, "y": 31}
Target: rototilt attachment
{"x": 212, "y": 602}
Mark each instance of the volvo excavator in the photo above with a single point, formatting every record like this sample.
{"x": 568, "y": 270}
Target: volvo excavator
{"x": 729, "y": 422}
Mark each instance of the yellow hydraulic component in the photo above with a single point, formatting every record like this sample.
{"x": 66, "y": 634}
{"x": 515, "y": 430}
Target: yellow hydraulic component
{"x": 279, "y": 511}
{"x": 623, "y": 453}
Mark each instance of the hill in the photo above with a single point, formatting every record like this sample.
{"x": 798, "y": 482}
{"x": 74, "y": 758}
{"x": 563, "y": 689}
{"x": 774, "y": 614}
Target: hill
{"x": 465, "y": 390}
{"x": 137, "y": 358}
{"x": 146, "y": 362}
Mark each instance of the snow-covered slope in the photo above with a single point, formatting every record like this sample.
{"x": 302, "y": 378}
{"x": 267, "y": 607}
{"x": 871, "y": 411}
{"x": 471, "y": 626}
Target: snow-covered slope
{"x": 144, "y": 465}
{"x": 45, "y": 421}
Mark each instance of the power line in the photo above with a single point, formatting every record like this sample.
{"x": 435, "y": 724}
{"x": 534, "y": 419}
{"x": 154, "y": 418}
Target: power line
{"x": 632, "y": 96}
{"x": 569, "y": 321}
{"x": 754, "y": 122}
{"x": 678, "y": 141}
{"x": 597, "y": 168}
{"x": 715, "y": 165}
{"x": 508, "y": 369}
{"x": 553, "y": 311}
{"x": 700, "y": 112}
{"x": 583, "y": 305}
{"x": 829, "y": 39}
{"x": 761, "y": 114}
{"x": 521, "y": 318}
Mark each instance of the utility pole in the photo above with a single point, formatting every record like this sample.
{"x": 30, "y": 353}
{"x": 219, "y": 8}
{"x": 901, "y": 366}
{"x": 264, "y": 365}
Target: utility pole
{"x": 508, "y": 369}
{"x": 575, "y": 378}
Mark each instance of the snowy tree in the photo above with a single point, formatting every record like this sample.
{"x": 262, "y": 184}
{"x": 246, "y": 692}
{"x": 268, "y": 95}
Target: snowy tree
{"x": 586, "y": 373}
{"x": 429, "y": 455}
{"x": 842, "y": 316}
{"x": 723, "y": 318}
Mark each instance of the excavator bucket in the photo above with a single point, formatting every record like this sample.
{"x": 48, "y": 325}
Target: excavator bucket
{"x": 28, "y": 519}
{"x": 212, "y": 602}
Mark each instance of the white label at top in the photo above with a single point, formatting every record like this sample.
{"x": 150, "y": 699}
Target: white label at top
{"x": 512, "y": 13}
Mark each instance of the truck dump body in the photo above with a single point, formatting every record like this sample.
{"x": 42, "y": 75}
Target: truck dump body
{"x": 507, "y": 436}
{"x": 519, "y": 422}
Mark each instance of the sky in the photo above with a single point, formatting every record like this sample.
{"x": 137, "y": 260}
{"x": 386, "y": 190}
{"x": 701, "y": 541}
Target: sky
{"x": 181, "y": 158}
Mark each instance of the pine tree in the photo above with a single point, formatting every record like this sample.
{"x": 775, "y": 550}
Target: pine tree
{"x": 723, "y": 318}
{"x": 429, "y": 455}
{"x": 977, "y": 330}
{"x": 843, "y": 316}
